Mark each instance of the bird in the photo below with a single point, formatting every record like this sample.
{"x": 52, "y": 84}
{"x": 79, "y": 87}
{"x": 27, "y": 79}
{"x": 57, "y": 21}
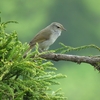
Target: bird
{"x": 46, "y": 37}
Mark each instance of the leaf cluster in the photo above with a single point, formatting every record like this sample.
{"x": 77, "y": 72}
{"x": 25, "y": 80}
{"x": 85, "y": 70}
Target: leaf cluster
{"x": 65, "y": 49}
{"x": 25, "y": 78}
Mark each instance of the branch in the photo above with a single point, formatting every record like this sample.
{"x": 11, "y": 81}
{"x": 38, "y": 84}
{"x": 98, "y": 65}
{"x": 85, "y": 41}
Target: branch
{"x": 94, "y": 60}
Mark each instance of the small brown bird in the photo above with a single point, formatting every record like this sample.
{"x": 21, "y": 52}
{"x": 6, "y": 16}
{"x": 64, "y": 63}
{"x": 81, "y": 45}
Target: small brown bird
{"x": 46, "y": 36}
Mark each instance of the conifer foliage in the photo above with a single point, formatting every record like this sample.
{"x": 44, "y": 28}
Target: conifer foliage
{"x": 25, "y": 78}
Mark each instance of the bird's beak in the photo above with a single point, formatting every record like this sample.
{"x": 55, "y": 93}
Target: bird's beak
{"x": 64, "y": 29}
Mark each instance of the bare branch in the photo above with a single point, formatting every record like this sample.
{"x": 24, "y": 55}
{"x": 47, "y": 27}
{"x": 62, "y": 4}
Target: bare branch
{"x": 94, "y": 60}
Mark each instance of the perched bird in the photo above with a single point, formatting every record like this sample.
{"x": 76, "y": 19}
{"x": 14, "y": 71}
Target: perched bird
{"x": 46, "y": 36}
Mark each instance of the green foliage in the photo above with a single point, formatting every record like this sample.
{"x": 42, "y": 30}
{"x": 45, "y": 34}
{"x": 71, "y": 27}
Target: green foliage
{"x": 80, "y": 18}
{"x": 25, "y": 78}
{"x": 65, "y": 49}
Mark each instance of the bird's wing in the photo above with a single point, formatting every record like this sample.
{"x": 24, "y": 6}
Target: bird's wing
{"x": 40, "y": 37}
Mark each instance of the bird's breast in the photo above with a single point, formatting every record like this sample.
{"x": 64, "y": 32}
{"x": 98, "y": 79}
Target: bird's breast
{"x": 54, "y": 36}
{"x": 45, "y": 45}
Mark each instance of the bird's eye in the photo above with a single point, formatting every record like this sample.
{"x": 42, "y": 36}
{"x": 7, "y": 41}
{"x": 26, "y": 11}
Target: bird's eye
{"x": 58, "y": 27}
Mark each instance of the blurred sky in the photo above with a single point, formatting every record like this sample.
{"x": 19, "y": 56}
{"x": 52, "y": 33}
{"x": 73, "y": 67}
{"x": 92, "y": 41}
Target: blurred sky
{"x": 81, "y": 18}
